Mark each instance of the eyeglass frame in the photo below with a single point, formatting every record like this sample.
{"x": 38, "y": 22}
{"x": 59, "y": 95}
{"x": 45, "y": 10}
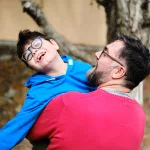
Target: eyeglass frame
{"x": 28, "y": 49}
{"x": 103, "y": 51}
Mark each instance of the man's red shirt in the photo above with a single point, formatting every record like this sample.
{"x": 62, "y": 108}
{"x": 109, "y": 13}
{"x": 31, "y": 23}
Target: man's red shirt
{"x": 95, "y": 121}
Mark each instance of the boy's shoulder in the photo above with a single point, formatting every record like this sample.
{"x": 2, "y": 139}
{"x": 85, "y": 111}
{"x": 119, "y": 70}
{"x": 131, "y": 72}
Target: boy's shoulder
{"x": 36, "y": 79}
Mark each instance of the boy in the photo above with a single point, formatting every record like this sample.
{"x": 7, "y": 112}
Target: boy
{"x": 54, "y": 75}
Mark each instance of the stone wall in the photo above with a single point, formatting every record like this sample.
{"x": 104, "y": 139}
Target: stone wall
{"x": 13, "y": 74}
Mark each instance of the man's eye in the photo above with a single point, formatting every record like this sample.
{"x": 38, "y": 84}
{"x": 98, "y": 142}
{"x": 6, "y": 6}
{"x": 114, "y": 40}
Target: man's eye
{"x": 104, "y": 54}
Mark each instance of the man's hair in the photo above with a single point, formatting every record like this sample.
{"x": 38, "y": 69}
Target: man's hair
{"x": 137, "y": 58}
{"x": 25, "y": 37}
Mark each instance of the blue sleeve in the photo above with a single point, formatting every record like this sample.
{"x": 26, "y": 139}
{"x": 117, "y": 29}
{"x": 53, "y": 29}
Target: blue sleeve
{"x": 17, "y": 128}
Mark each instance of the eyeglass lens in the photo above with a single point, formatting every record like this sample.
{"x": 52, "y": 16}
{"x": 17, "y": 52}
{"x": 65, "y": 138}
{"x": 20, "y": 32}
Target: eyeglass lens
{"x": 36, "y": 44}
{"x": 104, "y": 53}
{"x": 27, "y": 55}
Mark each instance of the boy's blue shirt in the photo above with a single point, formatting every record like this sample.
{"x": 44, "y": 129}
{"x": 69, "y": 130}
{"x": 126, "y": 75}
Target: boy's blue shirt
{"x": 42, "y": 89}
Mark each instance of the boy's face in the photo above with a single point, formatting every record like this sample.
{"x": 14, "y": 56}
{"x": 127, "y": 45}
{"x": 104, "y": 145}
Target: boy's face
{"x": 42, "y": 57}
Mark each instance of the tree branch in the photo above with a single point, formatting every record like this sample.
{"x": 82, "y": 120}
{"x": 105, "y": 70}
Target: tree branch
{"x": 102, "y": 2}
{"x": 35, "y": 12}
{"x": 9, "y": 47}
{"x": 105, "y": 3}
{"x": 88, "y": 48}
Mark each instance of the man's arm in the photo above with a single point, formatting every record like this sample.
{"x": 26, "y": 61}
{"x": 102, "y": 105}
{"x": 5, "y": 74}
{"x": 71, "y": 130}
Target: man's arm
{"x": 41, "y": 144}
{"x": 42, "y": 131}
{"x": 47, "y": 121}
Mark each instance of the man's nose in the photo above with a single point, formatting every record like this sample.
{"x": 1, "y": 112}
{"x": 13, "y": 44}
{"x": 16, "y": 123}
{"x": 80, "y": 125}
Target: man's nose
{"x": 97, "y": 54}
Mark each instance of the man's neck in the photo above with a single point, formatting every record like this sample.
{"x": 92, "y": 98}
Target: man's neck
{"x": 115, "y": 87}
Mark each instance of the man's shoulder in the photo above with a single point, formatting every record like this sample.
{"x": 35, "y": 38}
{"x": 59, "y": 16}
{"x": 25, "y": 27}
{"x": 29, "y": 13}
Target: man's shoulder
{"x": 74, "y": 95}
{"x": 71, "y": 98}
{"x": 67, "y": 98}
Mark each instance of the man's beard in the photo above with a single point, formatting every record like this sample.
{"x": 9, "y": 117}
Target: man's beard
{"x": 96, "y": 78}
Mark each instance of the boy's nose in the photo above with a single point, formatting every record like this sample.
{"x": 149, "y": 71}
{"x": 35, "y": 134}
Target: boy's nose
{"x": 34, "y": 52}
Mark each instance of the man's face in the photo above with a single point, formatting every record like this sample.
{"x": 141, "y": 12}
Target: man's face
{"x": 107, "y": 61}
{"x": 42, "y": 56}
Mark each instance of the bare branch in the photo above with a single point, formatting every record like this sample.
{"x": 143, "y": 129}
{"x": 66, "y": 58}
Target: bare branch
{"x": 35, "y": 12}
{"x": 102, "y": 2}
{"x": 9, "y": 47}
{"x": 105, "y": 3}
{"x": 88, "y": 48}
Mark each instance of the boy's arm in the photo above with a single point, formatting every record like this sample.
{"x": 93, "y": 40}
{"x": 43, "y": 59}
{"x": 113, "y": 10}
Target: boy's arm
{"x": 17, "y": 128}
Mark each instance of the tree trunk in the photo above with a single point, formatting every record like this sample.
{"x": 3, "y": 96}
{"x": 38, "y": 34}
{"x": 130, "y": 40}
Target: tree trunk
{"x": 131, "y": 17}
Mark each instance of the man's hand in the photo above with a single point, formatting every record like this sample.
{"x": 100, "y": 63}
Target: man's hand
{"x": 40, "y": 145}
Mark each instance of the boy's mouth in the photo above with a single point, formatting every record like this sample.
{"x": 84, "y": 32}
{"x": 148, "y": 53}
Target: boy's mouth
{"x": 39, "y": 57}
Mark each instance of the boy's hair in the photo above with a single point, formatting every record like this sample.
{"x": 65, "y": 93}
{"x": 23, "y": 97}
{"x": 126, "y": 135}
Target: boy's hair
{"x": 24, "y": 38}
{"x": 137, "y": 58}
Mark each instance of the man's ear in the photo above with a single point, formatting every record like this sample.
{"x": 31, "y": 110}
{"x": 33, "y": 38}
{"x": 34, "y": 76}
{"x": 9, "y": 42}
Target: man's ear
{"x": 54, "y": 44}
{"x": 118, "y": 72}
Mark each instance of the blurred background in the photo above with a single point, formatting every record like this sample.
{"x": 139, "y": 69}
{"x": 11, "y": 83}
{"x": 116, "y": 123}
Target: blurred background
{"x": 81, "y": 25}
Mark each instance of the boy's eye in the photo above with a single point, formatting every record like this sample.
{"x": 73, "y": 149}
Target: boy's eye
{"x": 27, "y": 53}
{"x": 36, "y": 45}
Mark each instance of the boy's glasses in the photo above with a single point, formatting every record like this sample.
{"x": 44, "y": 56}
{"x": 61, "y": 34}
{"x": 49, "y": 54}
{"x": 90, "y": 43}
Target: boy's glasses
{"x": 28, "y": 54}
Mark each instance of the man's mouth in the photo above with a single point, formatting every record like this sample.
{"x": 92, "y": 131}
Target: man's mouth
{"x": 39, "y": 57}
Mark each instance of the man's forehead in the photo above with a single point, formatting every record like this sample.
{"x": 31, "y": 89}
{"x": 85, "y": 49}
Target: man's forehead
{"x": 116, "y": 45}
{"x": 114, "y": 48}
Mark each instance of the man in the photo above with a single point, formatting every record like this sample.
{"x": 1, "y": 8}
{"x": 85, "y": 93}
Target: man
{"x": 108, "y": 118}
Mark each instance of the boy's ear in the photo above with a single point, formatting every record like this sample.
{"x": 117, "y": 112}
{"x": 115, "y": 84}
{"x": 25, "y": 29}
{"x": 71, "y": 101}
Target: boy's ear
{"x": 54, "y": 44}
